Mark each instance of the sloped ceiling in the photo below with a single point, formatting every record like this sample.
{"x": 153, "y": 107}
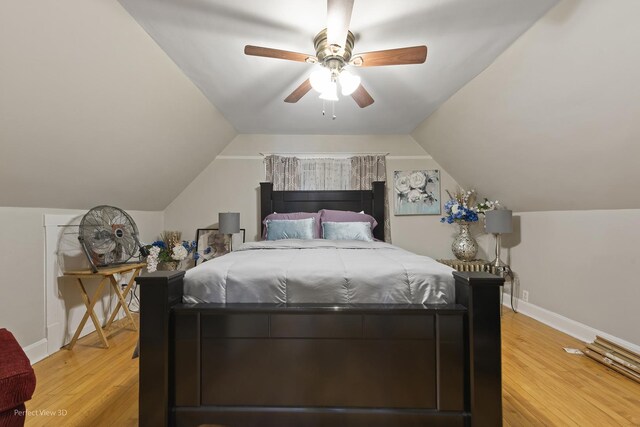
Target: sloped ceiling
{"x": 92, "y": 111}
{"x": 552, "y": 124}
{"x": 206, "y": 39}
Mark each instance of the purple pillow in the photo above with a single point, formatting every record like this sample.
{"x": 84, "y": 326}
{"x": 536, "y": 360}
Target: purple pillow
{"x": 329, "y": 215}
{"x": 294, "y": 215}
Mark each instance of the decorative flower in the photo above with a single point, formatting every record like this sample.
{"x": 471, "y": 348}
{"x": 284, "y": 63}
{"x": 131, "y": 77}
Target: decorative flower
{"x": 179, "y": 253}
{"x": 414, "y": 196}
{"x": 152, "y": 259}
{"x": 170, "y": 248}
{"x": 428, "y": 198}
{"x": 462, "y": 207}
{"x": 403, "y": 185}
{"x": 417, "y": 179}
{"x": 160, "y": 244}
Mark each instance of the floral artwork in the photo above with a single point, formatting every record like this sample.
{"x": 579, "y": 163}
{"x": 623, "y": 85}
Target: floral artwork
{"x": 211, "y": 244}
{"x": 417, "y": 192}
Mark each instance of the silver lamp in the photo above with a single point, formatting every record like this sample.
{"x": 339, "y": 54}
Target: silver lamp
{"x": 498, "y": 222}
{"x": 229, "y": 223}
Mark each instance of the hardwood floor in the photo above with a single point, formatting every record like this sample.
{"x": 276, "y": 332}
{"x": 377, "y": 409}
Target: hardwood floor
{"x": 95, "y": 386}
{"x": 542, "y": 385}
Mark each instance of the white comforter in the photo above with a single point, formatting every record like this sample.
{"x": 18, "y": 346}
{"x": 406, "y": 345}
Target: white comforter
{"x": 320, "y": 271}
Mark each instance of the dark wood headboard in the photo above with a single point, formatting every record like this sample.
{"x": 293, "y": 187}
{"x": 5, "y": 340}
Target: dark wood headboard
{"x": 369, "y": 201}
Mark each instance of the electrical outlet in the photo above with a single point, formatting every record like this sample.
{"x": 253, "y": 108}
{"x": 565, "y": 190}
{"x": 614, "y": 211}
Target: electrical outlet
{"x": 525, "y": 296}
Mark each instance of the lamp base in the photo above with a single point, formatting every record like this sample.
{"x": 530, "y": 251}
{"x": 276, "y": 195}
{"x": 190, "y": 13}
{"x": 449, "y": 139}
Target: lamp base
{"x": 498, "y": 263}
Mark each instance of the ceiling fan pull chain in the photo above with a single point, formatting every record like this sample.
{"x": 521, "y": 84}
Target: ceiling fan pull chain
{"x": 333, "y": 110}
{"x": 323, "y": 107}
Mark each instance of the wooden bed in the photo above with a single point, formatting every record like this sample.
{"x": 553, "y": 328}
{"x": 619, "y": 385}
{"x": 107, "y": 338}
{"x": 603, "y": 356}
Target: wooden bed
{"x": 320, "y": 364}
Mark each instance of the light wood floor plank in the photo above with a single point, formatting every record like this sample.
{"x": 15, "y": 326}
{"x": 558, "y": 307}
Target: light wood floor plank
{"x": 542, "y": 384}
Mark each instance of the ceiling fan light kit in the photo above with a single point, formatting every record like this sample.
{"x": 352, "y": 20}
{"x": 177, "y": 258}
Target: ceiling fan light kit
{"x": 320, "y": 78}
{"x": 349, "y": 82}
{"x": 334, "y": 52}
{"x": 330, "y": 92}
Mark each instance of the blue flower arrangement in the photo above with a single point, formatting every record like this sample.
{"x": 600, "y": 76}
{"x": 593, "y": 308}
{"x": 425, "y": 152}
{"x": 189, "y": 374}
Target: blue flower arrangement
{"x": 191, "y": 247}
{"x": 170, "y": 249}
{"x": 160, "y": 244}
{"x": 458, "y": 213}
{"x": 462, "y": 207}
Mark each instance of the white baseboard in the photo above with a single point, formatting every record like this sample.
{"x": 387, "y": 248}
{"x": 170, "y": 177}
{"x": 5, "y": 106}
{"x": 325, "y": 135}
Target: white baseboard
{"x": 568, "y": 326}
{"x": 36, "y": 351}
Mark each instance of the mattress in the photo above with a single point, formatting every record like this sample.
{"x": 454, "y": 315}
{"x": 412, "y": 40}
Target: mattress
{"x": 320, "y": 271}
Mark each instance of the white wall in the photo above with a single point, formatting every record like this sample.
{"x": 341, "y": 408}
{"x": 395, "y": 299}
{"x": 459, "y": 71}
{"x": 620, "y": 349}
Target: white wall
{"x": 230, "y": 183}
{"x": 582, "y": 265}
{"x": 22, "y": 262}
{"x": 92, "y": 110}
{"x": 552, "y": 124}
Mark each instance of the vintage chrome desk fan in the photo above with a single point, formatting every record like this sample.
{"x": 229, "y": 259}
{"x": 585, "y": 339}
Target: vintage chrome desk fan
{"x": 108, "y": 235}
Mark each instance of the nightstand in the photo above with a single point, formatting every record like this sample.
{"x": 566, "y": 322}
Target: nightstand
{"x": 483, "y": 265}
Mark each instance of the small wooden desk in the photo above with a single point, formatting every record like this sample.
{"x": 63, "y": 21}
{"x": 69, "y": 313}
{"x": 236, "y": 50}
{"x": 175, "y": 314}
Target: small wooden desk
{"x": 106, "y": 275}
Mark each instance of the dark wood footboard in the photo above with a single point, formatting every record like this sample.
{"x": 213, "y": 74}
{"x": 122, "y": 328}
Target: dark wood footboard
{"x": 312, "y": 365}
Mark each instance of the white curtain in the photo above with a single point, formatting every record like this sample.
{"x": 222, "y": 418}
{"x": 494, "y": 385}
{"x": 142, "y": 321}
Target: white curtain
{"x": 325, "y": 174}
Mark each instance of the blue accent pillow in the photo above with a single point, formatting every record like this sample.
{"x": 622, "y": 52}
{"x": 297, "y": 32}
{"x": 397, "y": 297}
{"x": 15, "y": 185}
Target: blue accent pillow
{"x": 278, "y": 229}
{"x": 347, "y": 231}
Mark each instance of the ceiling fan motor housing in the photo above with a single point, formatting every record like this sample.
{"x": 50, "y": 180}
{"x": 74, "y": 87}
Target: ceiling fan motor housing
{"x": 332, "y": 56}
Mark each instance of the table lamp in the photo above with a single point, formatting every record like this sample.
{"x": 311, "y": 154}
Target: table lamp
{"x": 229, "y": 223}
{"x": 498, "y": 222}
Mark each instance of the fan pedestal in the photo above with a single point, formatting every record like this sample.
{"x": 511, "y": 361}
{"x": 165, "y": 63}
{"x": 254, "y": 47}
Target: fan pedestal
{"x": 105, "y": 275}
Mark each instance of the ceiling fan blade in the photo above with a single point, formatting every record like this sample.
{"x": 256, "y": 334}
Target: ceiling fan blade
{"x": 402, "y": 56}
{"x": 278, "y": 54}
{"x": 338, "y": 19}
{"x": 362, "y": 97}
{"x": 299, "y": 92}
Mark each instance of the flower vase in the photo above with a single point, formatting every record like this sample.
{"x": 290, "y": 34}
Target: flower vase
{"x": 168, "y": 266}
{"x": 464, "y": 246}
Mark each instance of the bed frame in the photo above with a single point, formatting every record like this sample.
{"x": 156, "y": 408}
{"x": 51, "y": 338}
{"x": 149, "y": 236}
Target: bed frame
{"x": 320, "y": 364}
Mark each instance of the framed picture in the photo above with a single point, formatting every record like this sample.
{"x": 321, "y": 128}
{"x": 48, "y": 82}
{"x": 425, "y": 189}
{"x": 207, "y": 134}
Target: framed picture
{"x": 211, "y": 244}
{"x": 417, "y": 192}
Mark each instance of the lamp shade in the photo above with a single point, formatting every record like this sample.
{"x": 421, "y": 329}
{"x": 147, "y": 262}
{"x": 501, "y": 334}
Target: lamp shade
{"x": 498, "y": 221}
{"x": 229, "y": 222}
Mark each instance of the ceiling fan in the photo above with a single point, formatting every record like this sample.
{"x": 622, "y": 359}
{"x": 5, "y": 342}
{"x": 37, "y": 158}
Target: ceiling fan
{"x": 334, "y": 47}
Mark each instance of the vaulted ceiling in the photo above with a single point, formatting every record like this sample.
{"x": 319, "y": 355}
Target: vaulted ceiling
{"x": 93, "y": 109}
{"x": 206, "y": 39}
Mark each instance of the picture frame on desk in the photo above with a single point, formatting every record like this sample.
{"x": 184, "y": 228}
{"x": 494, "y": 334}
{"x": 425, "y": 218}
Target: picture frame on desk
{"x": 211, "y": 244}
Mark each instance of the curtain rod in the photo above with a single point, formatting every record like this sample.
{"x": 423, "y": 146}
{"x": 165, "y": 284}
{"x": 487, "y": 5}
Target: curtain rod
{"x": 365, "y": 153}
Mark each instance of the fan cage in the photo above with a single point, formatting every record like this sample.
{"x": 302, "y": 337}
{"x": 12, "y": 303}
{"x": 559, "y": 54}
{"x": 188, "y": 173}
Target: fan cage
{"x": 109, "y": 236}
